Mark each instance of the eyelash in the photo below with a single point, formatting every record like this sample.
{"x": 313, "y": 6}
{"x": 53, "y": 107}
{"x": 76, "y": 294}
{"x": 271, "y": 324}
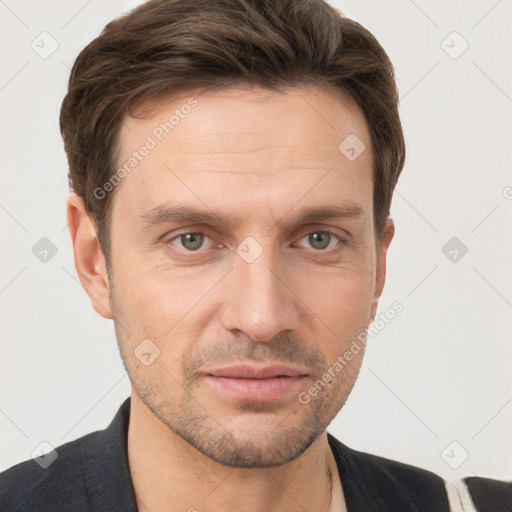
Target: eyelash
{"x": 342, "y": 242}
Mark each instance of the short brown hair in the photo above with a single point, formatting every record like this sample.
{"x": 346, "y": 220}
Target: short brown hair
{"x": 168, "y": 46}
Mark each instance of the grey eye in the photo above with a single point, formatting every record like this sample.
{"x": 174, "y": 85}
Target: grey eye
{"x": 192, "y": 241}
{"x": 319, "y": 239}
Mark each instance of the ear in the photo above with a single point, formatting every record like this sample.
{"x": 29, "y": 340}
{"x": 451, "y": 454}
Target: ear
{"x": 89, "y": 260}
{"x": 380, "y": 277}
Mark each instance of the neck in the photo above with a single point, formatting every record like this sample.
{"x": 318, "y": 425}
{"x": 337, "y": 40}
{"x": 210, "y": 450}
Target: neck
{"x": 167, "y": 472}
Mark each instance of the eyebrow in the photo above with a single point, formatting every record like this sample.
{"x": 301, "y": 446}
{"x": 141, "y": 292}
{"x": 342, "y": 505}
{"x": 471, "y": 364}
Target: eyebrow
{"x": 162, "y": 214}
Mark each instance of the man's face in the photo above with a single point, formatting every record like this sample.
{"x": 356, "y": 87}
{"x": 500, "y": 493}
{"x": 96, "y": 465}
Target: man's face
{"x": 260, "y": 287}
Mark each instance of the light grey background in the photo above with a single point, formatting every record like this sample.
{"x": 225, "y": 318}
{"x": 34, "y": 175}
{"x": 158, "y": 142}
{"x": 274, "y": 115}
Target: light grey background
{"x": 439, "y": 373}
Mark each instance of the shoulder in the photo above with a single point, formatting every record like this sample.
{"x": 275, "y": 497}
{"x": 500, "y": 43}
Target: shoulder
{"x": 398, "y": 486}
{"x": 399, "y": 472}
{"x": 490, "y": 495}
{"x": 393, "y": 484}
{"x": 35, "y": 485}
{"x": 89, "y": 473}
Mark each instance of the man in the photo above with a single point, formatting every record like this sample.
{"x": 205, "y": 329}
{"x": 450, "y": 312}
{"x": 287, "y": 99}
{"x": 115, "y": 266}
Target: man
{"x": 233, "y": 164}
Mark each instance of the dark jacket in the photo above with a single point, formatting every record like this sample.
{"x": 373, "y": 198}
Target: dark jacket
{"x": 92, "y": 474}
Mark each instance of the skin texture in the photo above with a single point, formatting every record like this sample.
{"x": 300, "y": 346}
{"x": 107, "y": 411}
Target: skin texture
{"x": 255, "y": 158}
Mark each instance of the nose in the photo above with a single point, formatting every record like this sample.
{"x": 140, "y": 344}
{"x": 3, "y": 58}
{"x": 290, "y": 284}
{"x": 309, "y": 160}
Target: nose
{"x": 260, "y": 299}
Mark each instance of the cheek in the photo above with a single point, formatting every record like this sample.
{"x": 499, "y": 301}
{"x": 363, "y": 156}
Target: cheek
{"x": 164, "y": 306}
{"x": 341, "y": 305}
{"x": 151, "y": 290}
{"x": 344, "y": 295}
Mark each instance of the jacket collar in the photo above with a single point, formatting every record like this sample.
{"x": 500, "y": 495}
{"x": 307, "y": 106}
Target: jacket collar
{"x": 105, "y": 467}
{"x": 109, "y": 485}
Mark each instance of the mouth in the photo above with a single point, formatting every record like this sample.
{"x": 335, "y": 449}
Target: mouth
{"x": 256, "y": 383}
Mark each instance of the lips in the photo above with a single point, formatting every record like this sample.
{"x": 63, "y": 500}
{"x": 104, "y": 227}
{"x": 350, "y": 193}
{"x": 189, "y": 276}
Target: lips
{"x": 256, "y": 383}
{"x": 255, "y": 372}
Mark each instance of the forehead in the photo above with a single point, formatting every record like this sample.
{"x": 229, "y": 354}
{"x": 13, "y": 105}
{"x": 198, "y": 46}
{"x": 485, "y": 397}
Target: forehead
{"x": 245, "y": 143}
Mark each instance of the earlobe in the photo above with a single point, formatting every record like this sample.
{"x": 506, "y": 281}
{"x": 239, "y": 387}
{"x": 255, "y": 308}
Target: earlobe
{"x": 380, "y": 278}
{"x": 88, "y": 256}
